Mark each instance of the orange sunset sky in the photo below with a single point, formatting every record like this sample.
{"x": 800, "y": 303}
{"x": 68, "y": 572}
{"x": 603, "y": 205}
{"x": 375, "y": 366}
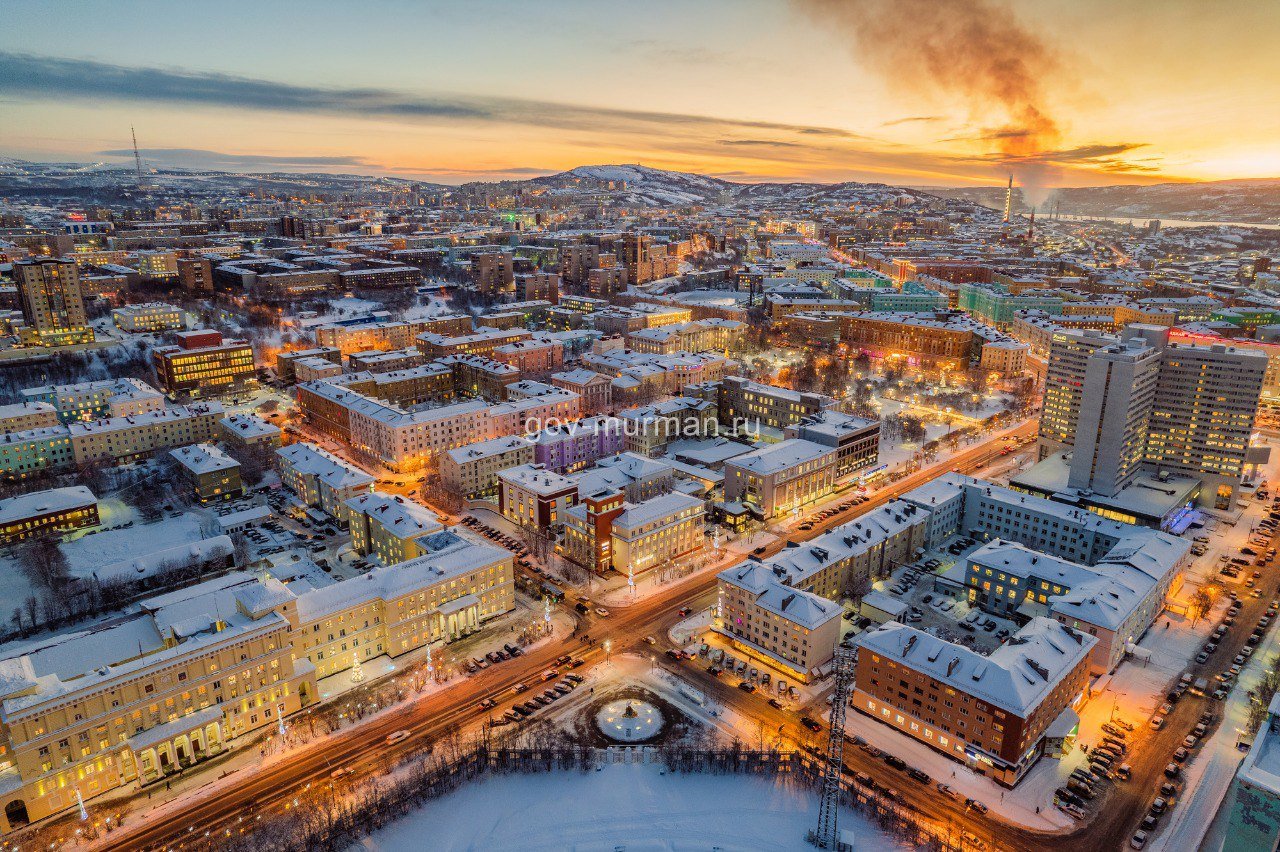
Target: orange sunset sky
{"x": 919, "y": 92}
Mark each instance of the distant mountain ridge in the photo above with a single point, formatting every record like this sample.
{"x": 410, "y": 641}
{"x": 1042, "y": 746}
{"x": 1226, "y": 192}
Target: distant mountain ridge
{"x": 634, "y": 185}
{"x": 1241, "y": 200}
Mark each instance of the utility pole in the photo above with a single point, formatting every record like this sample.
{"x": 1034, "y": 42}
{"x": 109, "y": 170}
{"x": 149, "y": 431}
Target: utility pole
{"x": 827, "y": 835}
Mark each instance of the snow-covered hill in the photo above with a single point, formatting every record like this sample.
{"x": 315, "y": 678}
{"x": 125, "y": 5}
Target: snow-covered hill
{"x": 644, "y": 186}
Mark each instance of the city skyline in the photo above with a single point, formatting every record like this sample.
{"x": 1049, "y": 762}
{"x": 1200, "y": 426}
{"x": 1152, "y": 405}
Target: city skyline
{"x": 1057, "y": 93}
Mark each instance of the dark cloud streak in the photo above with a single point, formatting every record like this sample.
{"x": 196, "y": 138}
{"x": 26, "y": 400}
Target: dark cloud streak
{"x": 43, "y": 77}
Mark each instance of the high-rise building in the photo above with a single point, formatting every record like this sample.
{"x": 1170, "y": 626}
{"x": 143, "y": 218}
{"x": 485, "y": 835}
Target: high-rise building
{"x": 49, "y": 291}
{"x": 494, "y": 272}
{"x": 195, "y": 274}
{"x": 1121, "y": 404}
{"x": 1111, "y": 432}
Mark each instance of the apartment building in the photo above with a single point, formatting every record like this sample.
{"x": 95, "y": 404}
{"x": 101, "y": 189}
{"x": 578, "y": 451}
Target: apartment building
{"x": 249, "y": 430}
{"x": 211, "y": 474}
{"x": 98, "y": 399}
{"x": 195, "y": 274}
{"x": 357, "y": 337}
{"x": 149, "y": 318}
{"x": 852, "y": 555}
{"x": 49, "y": 512}
{"x": 533, "y": 357}
{"x": 780, "y": 478}
{"x": 390, "y": 527}
{"x": 741, "y": 401}
{"x": 649, "y": 429}
{"x": 203, "y": 364}
{"x": 997, "y": 714}
{"x": 493, "y": 272}
{"x": 51, "y": 301}
{"x": 594, "y": 388}
{"x": 321, "y": 479}
{"x": 538, "y": 286}
{"x": 532, "y": 496}
{"x": 377, "y": 361}
{"x": 713, "y": 334}
{"x": 119, "y": 439}
{"x": 657, "y": 532}
{"x": 32, "y": 450}
{"x": 569, "y": 447}
{"x": 24, "y": 416}
{"x": 472, "y": 469}
{"x": 1115, "y": 601}
{"x": 775, "y": 623}
{"x": 481, "y": 341}
{"x": 285, "y": 361}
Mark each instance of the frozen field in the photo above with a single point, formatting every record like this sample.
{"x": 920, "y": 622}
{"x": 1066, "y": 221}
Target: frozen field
{"x": 631, "y": 806}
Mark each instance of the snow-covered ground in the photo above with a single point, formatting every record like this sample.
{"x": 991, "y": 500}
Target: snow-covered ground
{"x": 622, "y": 806}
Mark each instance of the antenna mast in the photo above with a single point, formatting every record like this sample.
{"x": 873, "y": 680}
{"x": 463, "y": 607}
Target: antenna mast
{"x": 826, "y": 836}
{"x": 137, "y": 158}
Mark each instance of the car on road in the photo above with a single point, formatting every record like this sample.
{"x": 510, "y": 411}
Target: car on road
{"x": 746, "y": 686}
{"x": 602, "y": 612}
{"x": 922, "y": 777}
{"x": 810, "y": 723}
{"x": 974, "y": 804}
{"x": 398, "y": 736}
{"x": 775, "y": 703}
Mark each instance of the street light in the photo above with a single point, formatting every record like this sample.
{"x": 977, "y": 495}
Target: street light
{"x": 608, "y": 646}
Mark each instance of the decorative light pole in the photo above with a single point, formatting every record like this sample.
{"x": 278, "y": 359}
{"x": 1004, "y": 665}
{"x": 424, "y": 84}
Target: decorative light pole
{"x": 720, "y": 604}
{"x": 715, "y": 540}
{"x": 631, "y": 579}
{"x": 431, "y": 667}
{"x": 546, "y": 614}
{"x": 608, "y": 646}
{"x": 84, "y": 814}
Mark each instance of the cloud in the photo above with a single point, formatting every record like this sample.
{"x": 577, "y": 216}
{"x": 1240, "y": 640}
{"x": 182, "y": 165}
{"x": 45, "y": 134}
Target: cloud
{"x": 1080, "y": 154}
{"x": 913, "y": 119}
{"x": 202, "y": 158}
{"x": 44, "y": 77}
{"x": 760, "y": 143}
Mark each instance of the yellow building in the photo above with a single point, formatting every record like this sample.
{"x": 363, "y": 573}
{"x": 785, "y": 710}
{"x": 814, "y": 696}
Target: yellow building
{"x": 390, "y": 527}
{"x": 146, "y": 695}
{"x": 444, "y": 594}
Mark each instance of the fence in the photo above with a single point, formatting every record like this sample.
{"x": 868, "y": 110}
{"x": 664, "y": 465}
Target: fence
{"x": 325, "y": 824}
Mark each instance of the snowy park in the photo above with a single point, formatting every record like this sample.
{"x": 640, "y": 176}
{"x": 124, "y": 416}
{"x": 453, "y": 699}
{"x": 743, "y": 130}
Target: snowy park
{"x": 622, "y": 806}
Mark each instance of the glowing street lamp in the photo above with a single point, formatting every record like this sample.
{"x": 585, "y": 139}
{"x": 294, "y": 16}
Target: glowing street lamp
{"x": 608, "y": 646}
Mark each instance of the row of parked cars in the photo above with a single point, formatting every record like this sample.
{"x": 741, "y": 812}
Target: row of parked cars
{"x": 506, "y": 652}
{"x": 915, "y": 774}
{"x": 1168, "y": 792}
{"x": 525, "y": 709}
{"x": 810, "y": 521}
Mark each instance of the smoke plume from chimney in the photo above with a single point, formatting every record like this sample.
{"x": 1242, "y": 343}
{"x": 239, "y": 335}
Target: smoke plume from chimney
{"x": 972, "y": 48}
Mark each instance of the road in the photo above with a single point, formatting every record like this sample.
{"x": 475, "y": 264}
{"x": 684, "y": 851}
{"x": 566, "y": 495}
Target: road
{"x": 363, "y": 747}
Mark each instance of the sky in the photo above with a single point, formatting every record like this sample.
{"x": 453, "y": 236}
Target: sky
{"x": 911, "y": 92}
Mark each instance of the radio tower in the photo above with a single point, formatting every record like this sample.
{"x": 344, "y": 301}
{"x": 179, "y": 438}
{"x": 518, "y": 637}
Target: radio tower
{"x": 137, "y": 158}
{"x": 826, "y": 836}
{"x": 1008, "y": 200}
